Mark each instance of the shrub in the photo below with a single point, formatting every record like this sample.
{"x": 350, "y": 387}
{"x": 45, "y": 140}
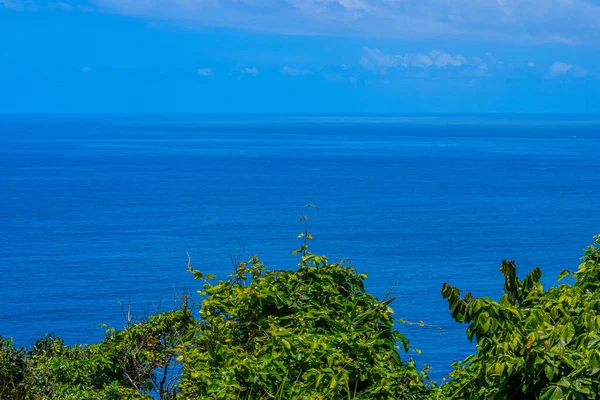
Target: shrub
{"x": 532, "y": 343}
{"x": 132, "y": 363}
{"x": 309, "y": 333}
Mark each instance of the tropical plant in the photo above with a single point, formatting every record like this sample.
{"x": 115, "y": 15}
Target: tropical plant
{"x": 134, "y": 363}
{"x": 532, "y": 343}
{"x": 309, "y": 333}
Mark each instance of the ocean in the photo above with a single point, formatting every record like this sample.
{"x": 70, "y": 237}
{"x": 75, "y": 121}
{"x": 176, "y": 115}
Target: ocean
{"x": 97, "y": 212}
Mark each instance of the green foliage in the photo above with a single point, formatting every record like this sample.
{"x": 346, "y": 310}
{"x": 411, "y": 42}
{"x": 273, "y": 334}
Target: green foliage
{"x": 532, "y": 344}
{"x": 12, "y": 366}
{"x": 309, "y": 333}
{"x": 147, "y": 353}
{"x": 132, "y": 363}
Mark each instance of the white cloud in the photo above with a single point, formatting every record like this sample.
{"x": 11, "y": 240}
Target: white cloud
{"x": 248, "y": 71}
{"x": 205, "y": 72}
{"x": 376, "y": 60}
{"x": 441, "y": 59}
{"x": 36, "y": 5}
{"x": 287, "y": 70}
{"x": 418, "y": 60}
{"x": 11, "y": 4}
{"x": 426, "y": 63}
{"x": 531, "y": 21}
{"x": 560, "y": 68}
{"x": 568, "y": 22}
{"x": 64, "y": 6}
{"x": 383, "y": 63}
{"x": 320, "y": 6}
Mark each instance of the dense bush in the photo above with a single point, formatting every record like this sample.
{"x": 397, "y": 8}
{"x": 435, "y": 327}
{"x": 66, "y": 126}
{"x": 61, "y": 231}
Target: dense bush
{"x": 310, "y": 333}
{"x": 532, "y": 343}
{"x": 128, "y": 364}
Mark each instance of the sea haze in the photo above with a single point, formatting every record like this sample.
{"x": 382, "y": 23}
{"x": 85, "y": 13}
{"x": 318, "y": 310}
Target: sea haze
{"x": 100, "y": 209}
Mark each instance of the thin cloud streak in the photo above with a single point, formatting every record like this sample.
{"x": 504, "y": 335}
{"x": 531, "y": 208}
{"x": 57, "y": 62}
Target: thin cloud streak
{"x": 562, "y": 22}
{"x": 289, "y": 71}
{"x": 205, "y": 72}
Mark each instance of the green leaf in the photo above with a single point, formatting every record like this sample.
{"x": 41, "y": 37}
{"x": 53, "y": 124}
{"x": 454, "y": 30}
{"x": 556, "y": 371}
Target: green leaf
{"x": 552, "y": 393}
{"x": 197, "y": 275}
{"x": 549, "y": 371}
{"x": 333, "y": 383}
{"x": 595, "y": 362}
{"x": 563, "y": 273}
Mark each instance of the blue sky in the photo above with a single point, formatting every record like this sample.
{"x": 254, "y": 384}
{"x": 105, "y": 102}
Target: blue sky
{"x": 300, "y": 56}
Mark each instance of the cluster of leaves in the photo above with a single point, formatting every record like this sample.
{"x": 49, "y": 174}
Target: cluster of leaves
{"x": 532, "y": 344}
{"x": 134, "y": 363}
{"x": 309, "y": 333}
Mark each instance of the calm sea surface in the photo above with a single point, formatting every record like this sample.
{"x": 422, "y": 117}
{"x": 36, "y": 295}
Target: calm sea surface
{"x": 97, "y": 210}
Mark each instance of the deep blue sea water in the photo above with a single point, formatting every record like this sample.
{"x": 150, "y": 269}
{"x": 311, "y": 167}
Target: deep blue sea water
{"x": 100, "y": 209}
